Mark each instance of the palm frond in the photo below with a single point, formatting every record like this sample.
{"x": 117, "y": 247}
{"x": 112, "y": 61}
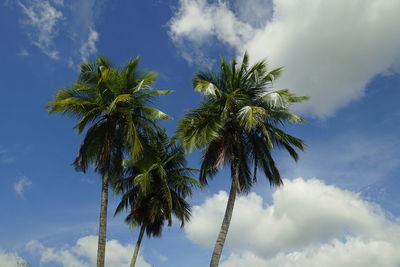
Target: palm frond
{"x": 240, "y": 103}
{"x": 161, "y": 185}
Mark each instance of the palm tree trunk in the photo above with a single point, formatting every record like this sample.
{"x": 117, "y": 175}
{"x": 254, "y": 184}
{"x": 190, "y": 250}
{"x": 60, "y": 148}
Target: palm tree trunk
{"x": 101, "y": 246}
{"x": 223, "y": 232}
{"x": 136, "y": 251}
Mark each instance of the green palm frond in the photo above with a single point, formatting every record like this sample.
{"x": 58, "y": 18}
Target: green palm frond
{"x": 251, "y": 116}
{"x": 106, "y": 100}
{"x": 143, "y": 180}
{"x": 199, "y": 127}
{"x": 129, "y": 71}
{"x": 155, "y": 113}
{"x": 206, "y": 87}
{"x": 273, "y": 75}
{"x": 282, "y": 98}
{"x": 239, "y": 120}
{"x": 157, "y": 93}
{"x": 119, "y": 99}
{"x": 162, "y": 182}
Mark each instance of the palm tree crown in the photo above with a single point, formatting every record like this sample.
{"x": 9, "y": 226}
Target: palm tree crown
{"x": 157, "y": 188}
{"x": 238, "y": 124}
{"x": 239, "y": 121}
{"x": 112, "y": 104}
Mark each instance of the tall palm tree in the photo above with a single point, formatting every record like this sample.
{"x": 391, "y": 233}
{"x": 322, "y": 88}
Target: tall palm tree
{"x": 112, "y": 104}
{"x": 238, "y": 124}
{"x": 157, "y": 188}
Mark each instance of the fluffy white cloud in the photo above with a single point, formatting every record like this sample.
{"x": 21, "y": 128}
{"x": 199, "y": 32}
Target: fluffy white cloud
{"x": 23, "y": 182}
{"x": 201, "y": 19}
{"x": 354, "y": 252}
{"x": 83, "y": 253}
{"x": 10, "y": 260}
{"x": 196, "y": 20}
{"x": 330, "y": 49}
{"x": 309, "y": 223}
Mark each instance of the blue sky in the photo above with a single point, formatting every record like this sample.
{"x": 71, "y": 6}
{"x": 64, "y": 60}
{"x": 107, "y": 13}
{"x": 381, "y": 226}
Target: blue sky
{"x": 342, "y": 196}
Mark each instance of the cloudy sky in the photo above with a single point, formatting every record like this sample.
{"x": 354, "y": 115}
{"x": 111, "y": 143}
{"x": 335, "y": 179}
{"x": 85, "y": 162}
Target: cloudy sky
{"x": 340, "y": 204}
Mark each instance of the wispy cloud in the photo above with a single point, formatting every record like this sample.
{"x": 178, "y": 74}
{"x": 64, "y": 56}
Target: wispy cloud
{"x": 89, "y": 47}
{"x": 21, "y": 185}
{"x": 43, "y": 19}
{"x": 64, "y": 31}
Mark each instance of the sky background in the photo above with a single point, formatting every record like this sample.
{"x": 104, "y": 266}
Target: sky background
{"x": 340, "y": 205}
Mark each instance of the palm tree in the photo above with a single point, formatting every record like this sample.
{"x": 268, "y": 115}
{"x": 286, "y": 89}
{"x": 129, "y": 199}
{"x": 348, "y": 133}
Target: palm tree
{"x": 112, "y": 104}
{"x": 157, "y": 188}
{"x": 238, "y": 124}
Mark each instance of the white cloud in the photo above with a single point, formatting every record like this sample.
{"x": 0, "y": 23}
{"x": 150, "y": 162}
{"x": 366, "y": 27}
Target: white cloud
{"x": 201, "y": 19}
{"x": 353, "y": 252}
{"x": 61, "y": 30}
{"x": 10, "y": 259}
{"x": 43, "y": 19}
{"x": 19, "y": 187}
{"x": 309, "y": 223}
{"x": 330, "y": 49}
{"x": 84, "y": 34}
{"x": 196, "y": 20}
{"x": 89, "y": 47}
{"x": 83, "y": 253}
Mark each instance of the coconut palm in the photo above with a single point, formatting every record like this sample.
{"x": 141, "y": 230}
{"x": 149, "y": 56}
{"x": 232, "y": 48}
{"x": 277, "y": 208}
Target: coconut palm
{"x": 157, "y": 188}
{"x": 112, "y": 104}
{"x": 237, "y": 124}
